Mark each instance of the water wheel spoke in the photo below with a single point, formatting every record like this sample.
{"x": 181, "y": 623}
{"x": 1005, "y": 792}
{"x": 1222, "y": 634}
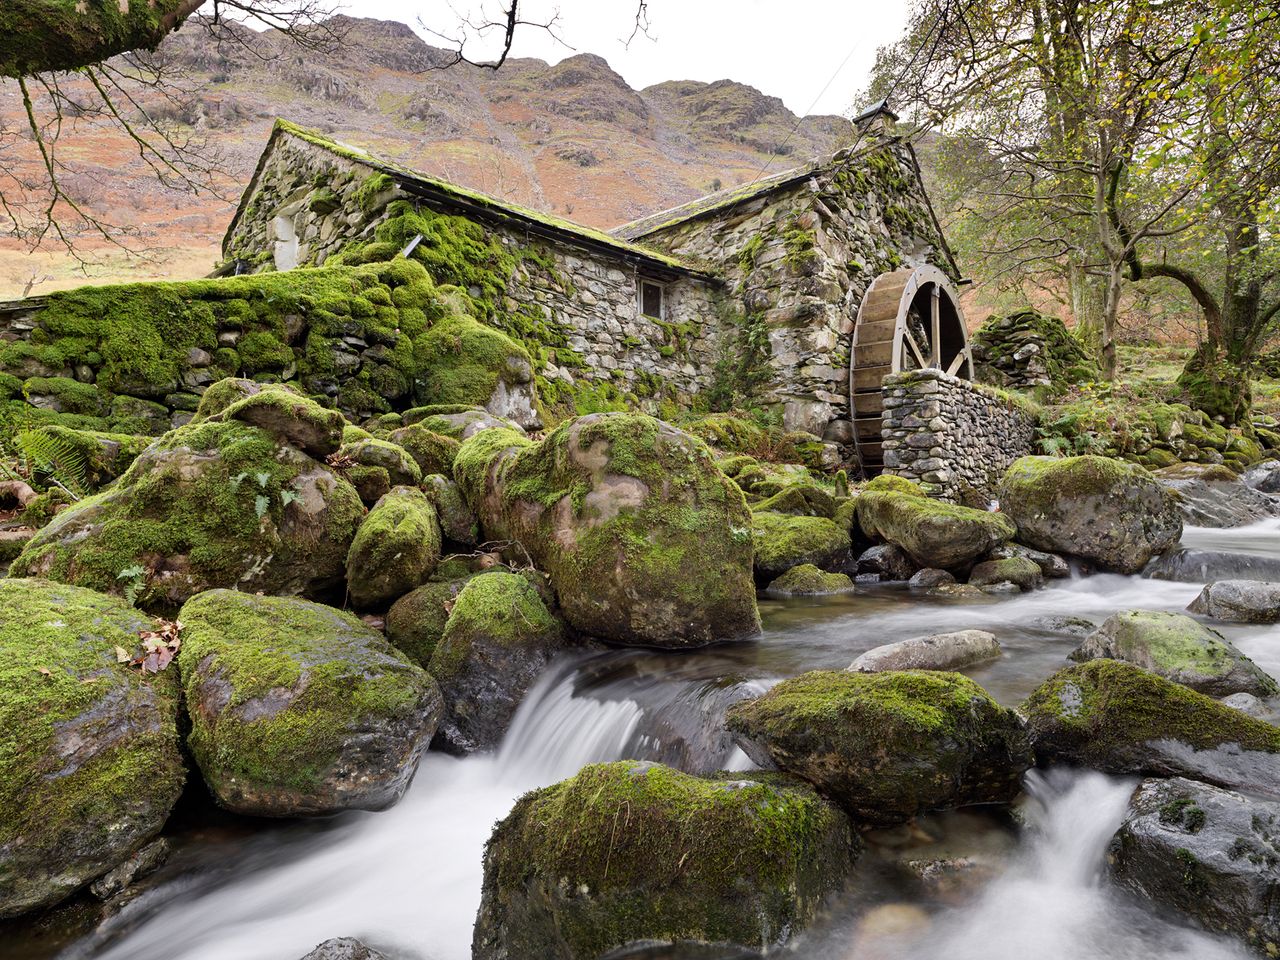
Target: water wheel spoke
{"x": 910, "y": 341}
{"x": 957, "y": 363}
{"x": 935, "y": 324}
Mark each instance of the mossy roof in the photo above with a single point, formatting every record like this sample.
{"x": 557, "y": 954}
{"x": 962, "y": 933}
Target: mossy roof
{"x": 471, "y": 203}
{"x": 725, "y": 199}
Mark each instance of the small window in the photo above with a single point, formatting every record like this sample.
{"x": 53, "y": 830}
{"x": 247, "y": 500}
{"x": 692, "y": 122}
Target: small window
{"x": 651, "y": 299}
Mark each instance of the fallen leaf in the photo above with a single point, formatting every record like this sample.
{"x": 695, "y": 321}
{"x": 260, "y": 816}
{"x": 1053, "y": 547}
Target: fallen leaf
{"x": 123, "y": 655}
{"x": 44, "y": 670}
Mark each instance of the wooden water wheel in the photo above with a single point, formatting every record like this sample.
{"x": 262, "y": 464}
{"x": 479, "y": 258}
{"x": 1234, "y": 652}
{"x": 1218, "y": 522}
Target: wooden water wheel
{"x": 909, "y": 319}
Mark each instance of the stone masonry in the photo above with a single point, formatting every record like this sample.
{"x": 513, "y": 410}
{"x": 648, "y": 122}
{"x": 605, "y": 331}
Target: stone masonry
{"x": 954, "y": 438}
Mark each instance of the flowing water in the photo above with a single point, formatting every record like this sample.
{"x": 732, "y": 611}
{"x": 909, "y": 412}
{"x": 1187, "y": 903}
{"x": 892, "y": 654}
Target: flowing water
{"x": 407, "y": 880}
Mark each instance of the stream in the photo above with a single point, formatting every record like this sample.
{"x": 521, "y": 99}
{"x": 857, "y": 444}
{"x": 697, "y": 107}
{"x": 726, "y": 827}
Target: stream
{"x": 407, "y": 880}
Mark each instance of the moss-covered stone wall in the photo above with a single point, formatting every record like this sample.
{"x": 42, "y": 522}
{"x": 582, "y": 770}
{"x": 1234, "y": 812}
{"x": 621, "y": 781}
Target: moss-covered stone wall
{"x": 800, "y": 258}
{"x": 135, "y": 358}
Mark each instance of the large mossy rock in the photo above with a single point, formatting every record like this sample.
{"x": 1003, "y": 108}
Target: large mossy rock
{"x": 433, "y": 452}
{"x": 637, "y": 853}
{"x": 1204, "y": 853}
{"x": 1177, "y": 648}
{"x": 888, "y": 746}
{"x": 395, "y": 549}
{"x": 1110, "y": 512}
{"x": 1118, "y": 718}
{"x": 466, "y": 362}
{"x": 89, "y": 755}
{"x": 645, "y": 541}
{"x": 783, "y": 541}
{"x": 806, "y": 580}
{"x": 498, "y": 638}
{"x": 299, "y": 709}
{"x": 213, "y": 504}
{"x": 933, "y": 533}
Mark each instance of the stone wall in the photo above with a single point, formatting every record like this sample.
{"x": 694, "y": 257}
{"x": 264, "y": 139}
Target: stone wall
{"x": 309, "y": 201}
{"x": 954, "y": 438}
{"x": 800, "y": 258}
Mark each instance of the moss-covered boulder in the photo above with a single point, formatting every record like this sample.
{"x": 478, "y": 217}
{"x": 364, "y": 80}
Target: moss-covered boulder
{"x": 402, "y": 469}
{"x": 783, "y": 541}
{"x": 801, "y": 500}
{"x": 933, "y": 533}
{"x": 416, "y": 622}
{"x": 808, "y": 580}
{"x": 300, "y": 709}
{"x": 888, "y": 746}
{"x": 497, "y": 640}
{"x": 215, "y": 503}
{"x": 1110, "y": 512}
{"x": 458, "y": 423}
{"x": 636, "y": 853}
{"x": 1179, "y": 649}
{"x": 89, "y": 755}
{"x": 1118, "y": 718}
{"x": 457, "y": 522}
{"x": 291, "y": 419}
{"x": 1022, "y": 572}
{"x": 644, "y": 540}
{"x": 433, "y": 452}
{"x": 395, "y": 549}
{"x": 466, "y": 362}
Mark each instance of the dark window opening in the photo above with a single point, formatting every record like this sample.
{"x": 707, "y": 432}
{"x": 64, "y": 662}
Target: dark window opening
{"x": 651, "y": 299}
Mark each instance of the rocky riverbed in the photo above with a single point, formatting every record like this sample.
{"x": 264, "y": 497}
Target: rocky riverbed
{"x": 672, "y": 696}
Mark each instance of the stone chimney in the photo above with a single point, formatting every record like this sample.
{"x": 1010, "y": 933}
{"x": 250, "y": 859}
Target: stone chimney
{"x": 878, "y": 120}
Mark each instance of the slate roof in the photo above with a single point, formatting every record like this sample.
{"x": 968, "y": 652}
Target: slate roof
{"x": 476, "y": 204}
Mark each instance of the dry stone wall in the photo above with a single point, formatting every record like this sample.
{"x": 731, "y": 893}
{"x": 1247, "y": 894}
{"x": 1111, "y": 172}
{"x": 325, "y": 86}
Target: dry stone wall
{"x": 800, "y": 259}
{"x": 951, "y": 436}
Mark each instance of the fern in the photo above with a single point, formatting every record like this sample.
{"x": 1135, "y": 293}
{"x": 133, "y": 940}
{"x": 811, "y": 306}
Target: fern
{"x": 57, "y": 459}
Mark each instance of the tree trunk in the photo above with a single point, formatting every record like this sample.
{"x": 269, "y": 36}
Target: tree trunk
{"x": 38, "y": 36}
{"x": 1110, "y": 319}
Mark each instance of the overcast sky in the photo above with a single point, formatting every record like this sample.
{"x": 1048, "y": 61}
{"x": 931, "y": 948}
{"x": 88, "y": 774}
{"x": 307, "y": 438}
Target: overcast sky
{"x": 787, "y": 48}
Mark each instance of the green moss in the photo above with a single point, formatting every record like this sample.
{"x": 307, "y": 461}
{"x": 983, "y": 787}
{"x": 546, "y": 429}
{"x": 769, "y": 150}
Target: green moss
{"x": 681, "y": 519}
{"x": 61, "y": 680}
{"x": 433, "y": 452}
{"x": 216, "y": 496}
{"x": 650, "y": 853}
{"x": 70, "y": 396}
{"x": 1040, "y": 484}
{"x": 783, "y": 541}
{"x": 806, "y": 579}
{"x": 395, "y": 549}
{"x": 504, "y": 608}
{"x": 1101, "y": 710}
{"x": 416, "y": 622}
{"x": 324, "y": 672}
{"x": 463, "y": 362}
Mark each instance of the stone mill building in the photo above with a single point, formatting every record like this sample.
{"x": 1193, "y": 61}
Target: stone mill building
{"x": 771, "y": 274}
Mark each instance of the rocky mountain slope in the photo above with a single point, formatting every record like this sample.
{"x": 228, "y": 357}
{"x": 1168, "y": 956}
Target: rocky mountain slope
{"x": 572, "y": 138}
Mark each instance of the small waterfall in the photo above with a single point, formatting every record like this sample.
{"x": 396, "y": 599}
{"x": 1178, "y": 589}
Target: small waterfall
{"x": 1054, "y": 903}
{"x": 408, "y": 879}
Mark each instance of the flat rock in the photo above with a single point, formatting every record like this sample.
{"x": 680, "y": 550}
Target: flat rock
{"x": 941, "y": 651}
{"x": 1239, "y": 601}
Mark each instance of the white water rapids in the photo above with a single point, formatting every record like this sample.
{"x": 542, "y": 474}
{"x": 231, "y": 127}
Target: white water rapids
{"x": 407, "y": 880}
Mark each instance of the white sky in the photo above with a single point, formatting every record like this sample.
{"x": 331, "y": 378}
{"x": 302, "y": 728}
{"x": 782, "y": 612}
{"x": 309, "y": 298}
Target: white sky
{"x": 786, "y": 48}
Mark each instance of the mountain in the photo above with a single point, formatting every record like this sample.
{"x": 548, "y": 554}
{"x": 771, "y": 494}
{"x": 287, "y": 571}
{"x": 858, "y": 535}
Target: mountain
{"x": 571, "y": 138}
